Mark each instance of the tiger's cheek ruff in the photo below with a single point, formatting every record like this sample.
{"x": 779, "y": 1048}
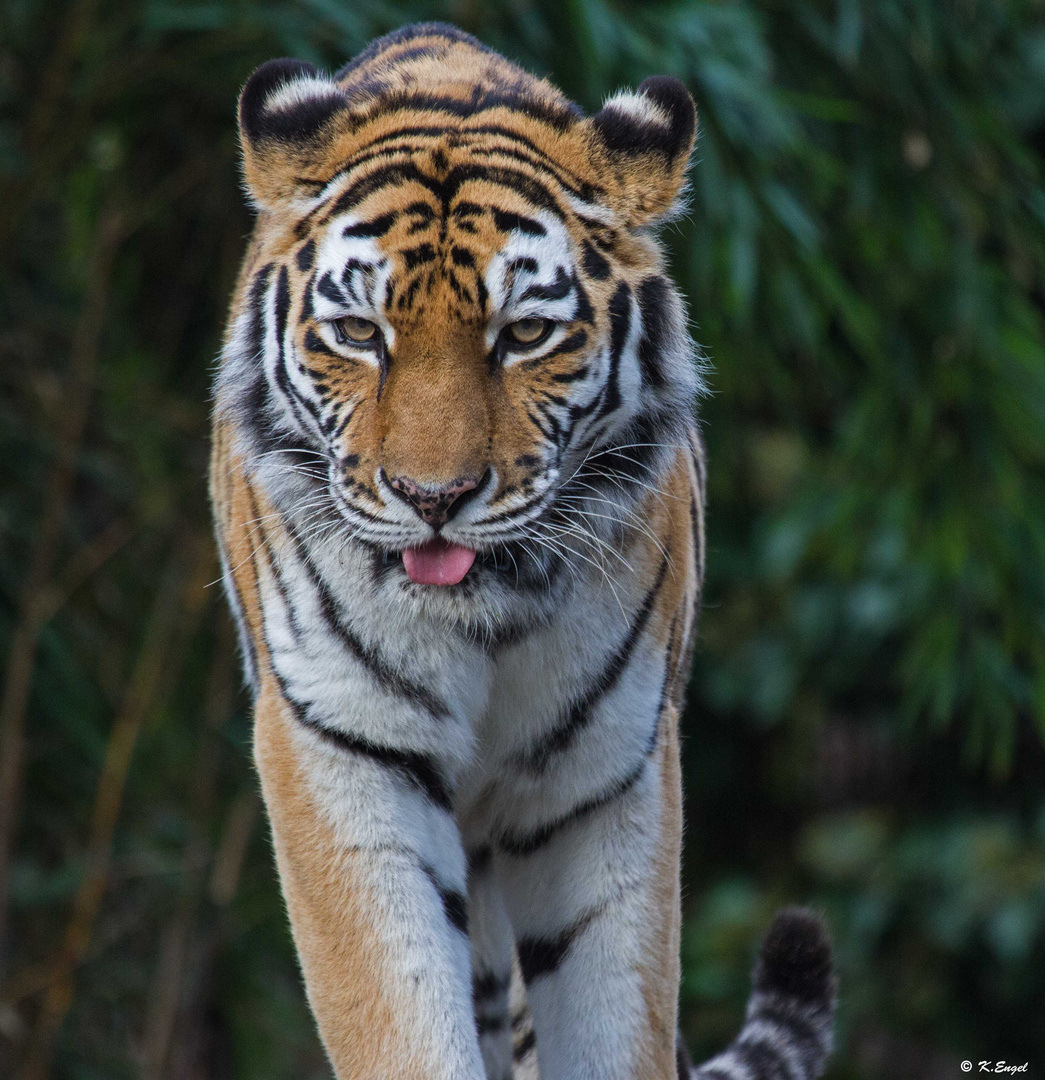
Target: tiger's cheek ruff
{"x": 474, "y": 789}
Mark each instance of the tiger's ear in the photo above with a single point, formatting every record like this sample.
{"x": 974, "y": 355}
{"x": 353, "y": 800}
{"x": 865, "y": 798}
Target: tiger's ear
{"x": 643, "y": 140}
{"x": 286, "y": 111}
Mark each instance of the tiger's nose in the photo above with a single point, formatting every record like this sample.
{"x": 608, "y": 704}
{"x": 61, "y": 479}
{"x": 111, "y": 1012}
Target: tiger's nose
{"x": 435, "y": 505}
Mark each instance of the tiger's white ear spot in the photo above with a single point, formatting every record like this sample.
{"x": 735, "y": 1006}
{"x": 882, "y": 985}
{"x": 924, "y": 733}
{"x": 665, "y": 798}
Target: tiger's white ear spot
{"x": 638, "y": 108}
{"x": 300, "y": 92}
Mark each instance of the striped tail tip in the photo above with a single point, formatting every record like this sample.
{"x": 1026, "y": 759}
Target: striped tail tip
{"x": 787, "y": 1030}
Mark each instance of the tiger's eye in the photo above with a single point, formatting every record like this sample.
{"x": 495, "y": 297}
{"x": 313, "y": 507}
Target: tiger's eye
{"x": 350, "y": 330}
{"x": 528, "y": 332}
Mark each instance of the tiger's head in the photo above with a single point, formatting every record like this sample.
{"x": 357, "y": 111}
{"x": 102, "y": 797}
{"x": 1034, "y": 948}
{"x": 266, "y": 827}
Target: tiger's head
{"x": 454, "y": 319}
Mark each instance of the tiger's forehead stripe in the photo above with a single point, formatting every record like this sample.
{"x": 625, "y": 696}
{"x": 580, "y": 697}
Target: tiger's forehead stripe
{"x": 535, "y": 172}
{"x": 528, "y": 185}
{"x": 481, "y": 140}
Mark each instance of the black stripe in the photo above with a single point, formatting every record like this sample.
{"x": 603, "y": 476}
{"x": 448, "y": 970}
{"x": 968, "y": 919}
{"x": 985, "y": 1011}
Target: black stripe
{"x": 575, "y": 341}
{"x": 654, "y": 297}
{"x": 667, "y": 684}
{"x": 256, "y": 306}
{"x": 506, "y": 221}
{"x": 527, "y": 186}
{"x": 314, "y": 343}
{"x": 490, "y": 1001}
{"x": 529, "y": 843}
{"x": 480, "y": 860}
{"x": 307, "y": 308}
{"x": 543, "y": 955}
{"x": 524, "y": 262}
{"x": 460, "y": 291}
{"x": 579, "y": 714}
{"x": 407, "y": 297}
{"x": 281, "y": 585}
{"x": 282, "y": 313}
{"x": 487, "y": 985}
{"x": 348, "y": 271}
{"x": 763, "y": 1061}
{"x": 418, "y": 256}
{"x": 243, "y": 634}
{"x": 584, "y": 312}
{"x": 620, "y": 323}
{"x": 387, "y": 677}
{"x": 455, "y": 903}
{"x": 572, "y": 376}
{"x": 254, "y": 410}
{"x": 404, "y": 34}
{"x": 559, "y": 289}
{"x": 328, "y": 288}
{"x": 596, "y": 265}
{"x": 526, "y": 1044}
{"x": 305, "y": 256}
{"x": 398, "y": 173}
{"x": 419, "y": 769}
{"x": 539, "y": 163}
{"x": 257, "y": 397}
{"x": 801, "y": 1032}
{"x": 378, "y": 227}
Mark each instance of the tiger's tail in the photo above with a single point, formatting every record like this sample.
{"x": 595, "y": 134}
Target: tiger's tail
{"x": 787, "y": 1030}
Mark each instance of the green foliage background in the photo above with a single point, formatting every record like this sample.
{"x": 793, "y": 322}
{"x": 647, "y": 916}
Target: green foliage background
{"x": 865, "y": 265}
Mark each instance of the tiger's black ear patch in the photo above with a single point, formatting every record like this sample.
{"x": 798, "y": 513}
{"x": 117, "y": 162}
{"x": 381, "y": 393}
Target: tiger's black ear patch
{"x": 658, "y": 118}
{"x": 640, "y": 141}
{"x": 290, "y": 116}
{"x": 287, "y": 101}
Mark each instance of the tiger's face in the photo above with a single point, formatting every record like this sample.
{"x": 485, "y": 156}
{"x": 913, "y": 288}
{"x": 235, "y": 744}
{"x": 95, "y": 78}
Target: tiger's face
{"x": 458, "y": 320}
{"x": 456, "y": 355}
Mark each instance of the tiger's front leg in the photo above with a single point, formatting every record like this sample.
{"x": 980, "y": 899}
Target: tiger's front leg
{"x": 358, "y": 762}
{"x": 586, "y": 835}
{"x": 595, "y": 905}
{"x": 379, "y": 920}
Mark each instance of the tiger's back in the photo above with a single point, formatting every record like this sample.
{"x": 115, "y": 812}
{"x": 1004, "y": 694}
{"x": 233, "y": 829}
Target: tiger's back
{"x": 459, "y": 499}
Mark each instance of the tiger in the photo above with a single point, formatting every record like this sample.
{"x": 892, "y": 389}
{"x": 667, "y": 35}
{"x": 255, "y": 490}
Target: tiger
{"x": 458, "y": 490}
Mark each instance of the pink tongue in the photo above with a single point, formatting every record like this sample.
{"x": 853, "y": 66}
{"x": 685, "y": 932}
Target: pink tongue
{"x": 438, "y": 563}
